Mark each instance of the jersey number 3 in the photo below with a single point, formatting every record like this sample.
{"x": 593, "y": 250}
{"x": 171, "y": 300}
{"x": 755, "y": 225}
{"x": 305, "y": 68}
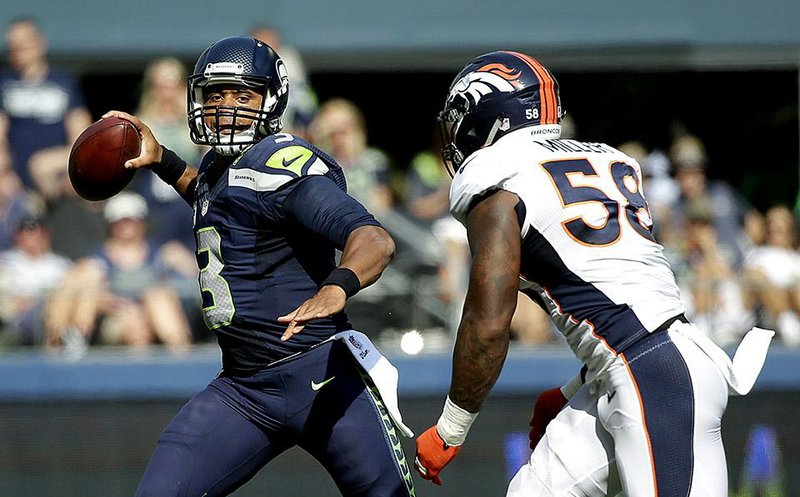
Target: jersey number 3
{"x": 634, "y": 207}
{"x": 218, "y": 306}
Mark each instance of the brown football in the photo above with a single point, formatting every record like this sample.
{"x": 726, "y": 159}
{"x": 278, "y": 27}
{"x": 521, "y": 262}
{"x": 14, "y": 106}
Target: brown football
{"x": 97, "y": 160}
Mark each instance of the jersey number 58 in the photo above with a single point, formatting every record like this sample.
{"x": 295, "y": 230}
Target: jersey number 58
{"x": 634, "y": 207}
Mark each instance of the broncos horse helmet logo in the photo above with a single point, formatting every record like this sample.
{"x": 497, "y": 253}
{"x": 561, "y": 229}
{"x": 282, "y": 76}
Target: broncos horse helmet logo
{"x": 485, "y": 80}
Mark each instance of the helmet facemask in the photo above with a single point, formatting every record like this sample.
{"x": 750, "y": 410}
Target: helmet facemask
{"x": 232, "y": 129}
{"x": 463, "y": 132}
{"x": 450, "y": 120}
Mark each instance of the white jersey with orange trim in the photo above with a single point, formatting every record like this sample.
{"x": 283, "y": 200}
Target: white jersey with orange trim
{"x": 587, "y": 250}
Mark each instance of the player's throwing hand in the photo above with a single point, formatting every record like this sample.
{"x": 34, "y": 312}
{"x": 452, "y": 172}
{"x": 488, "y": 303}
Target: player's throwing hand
{"x": 151, "y": 152}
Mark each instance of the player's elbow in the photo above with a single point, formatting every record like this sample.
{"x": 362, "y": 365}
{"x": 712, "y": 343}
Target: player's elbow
{"x": 388, "y": 245}
{"x": 380, "y": 242}
{"x": 490, "y": 331}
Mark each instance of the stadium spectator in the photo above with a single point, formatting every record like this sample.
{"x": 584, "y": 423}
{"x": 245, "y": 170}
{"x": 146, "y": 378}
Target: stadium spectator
{"x": 660, "y": 188}
{"x": 710, "y": 287}
{"x": 77, "y": 225}
{"x": 426, "y": 187}
{"x": 163, "y": 105}
{"x": 588, "y": 256}
{"x": 270, "y": 212}
{"x": 689, "y": 161}
{"x": 425, "y": 197}
{"x": 772, "y": 275}
{"x": 13, "y": 205}
{"x": 40, "y": 107}
{"x": 302, "y": 104}
{"x": 340, "y": 130}
{"x": 123, "y": 294}
{"x": 29, "y": 272}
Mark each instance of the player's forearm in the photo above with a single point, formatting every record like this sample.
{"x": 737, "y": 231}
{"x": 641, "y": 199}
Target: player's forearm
{"x": 478, "y": 358}
{"x": 367, "y": 252}
{"x": 483, "y": 335}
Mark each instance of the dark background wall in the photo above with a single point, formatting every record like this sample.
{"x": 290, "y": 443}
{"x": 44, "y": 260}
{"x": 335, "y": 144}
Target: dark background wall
{"x": 747, "y": 119}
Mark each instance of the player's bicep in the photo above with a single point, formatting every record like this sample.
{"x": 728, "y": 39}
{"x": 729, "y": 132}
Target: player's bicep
{"x": 317, "y": 204}
{"x": 495, "y": 242}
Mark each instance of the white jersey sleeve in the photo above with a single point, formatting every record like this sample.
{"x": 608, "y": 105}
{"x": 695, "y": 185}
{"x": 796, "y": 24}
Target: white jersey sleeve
{"x": 587, "y": 252}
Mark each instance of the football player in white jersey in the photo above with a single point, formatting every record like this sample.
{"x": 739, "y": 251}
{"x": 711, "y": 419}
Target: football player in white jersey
{"x": 567, "y": 223}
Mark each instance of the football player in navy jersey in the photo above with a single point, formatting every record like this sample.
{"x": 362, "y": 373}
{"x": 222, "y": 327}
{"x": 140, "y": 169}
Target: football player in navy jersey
{"x": 567, "y": 223}
{"x": 270, "y": 210}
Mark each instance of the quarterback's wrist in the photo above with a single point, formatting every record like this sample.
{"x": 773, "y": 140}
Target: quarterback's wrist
{"x": 170, "y": 168}
{"x": 344, "y": 278}
{"x": 454, "y": 423}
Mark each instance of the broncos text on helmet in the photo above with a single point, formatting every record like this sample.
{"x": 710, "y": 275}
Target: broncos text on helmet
{"x": 494, "y": 94}
{"x": 238, "y": 61}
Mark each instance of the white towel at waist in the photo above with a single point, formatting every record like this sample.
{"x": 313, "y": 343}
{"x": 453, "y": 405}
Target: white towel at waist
{"x": 383, "y": 374}
{"x": 742, "y": 372}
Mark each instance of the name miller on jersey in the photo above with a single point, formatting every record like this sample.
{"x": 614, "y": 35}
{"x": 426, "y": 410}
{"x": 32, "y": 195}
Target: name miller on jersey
{"x": 575, "y": 146}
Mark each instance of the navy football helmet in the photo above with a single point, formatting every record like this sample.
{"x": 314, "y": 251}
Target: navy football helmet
{"x": 238, "y": 60}
{"x": 493, "y": 95}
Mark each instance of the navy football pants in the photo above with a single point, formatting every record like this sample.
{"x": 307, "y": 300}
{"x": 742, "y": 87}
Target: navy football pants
{"x": 233, "y": 428}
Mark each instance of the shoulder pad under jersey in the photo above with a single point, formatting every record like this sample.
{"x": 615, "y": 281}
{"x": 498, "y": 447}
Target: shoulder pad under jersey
{"x": 275, "y": 161}
{"x": 484, "y": 171}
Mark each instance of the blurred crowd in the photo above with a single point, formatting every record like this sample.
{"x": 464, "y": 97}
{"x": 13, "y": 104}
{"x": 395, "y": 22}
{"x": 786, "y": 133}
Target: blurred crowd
{"x": 75, "y": 273}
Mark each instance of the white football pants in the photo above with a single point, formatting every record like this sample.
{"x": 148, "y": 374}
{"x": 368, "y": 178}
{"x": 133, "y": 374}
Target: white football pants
{"x": 654, "y": 417}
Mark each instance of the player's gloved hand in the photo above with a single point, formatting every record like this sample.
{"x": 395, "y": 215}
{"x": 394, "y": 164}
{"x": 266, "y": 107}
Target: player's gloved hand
{"x": 547, "y": 407}
{"x": 433, "y": 454}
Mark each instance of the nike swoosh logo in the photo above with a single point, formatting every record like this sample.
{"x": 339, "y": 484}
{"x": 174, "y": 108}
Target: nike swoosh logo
{"x": 316, "y": 386}
{"x": 287, "y": 163}
{"x": 611, "y": 395}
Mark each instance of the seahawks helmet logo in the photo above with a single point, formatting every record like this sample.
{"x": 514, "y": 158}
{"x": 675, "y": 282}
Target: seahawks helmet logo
{"x": 487, "y": 79}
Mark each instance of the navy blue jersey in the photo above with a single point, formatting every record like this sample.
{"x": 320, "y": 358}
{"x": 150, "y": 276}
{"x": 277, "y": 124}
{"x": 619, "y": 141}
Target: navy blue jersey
{"x": 266, "y": 232}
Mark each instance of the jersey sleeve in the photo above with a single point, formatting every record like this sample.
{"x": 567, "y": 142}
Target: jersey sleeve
{"x": 319, "y": 205}
{"x": 484, "y": 173}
